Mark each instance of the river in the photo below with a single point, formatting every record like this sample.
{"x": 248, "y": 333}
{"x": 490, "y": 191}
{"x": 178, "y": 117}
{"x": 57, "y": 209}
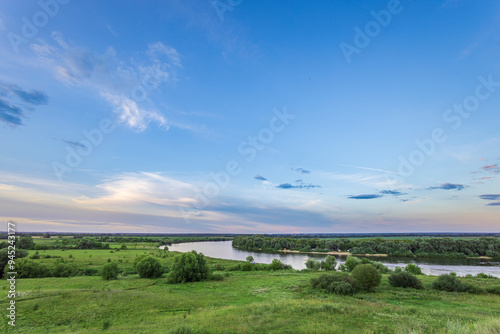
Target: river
{"x": 430, "y": 266}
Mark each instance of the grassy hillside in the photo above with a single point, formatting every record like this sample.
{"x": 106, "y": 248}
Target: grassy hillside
{"x": 244, "y": 302}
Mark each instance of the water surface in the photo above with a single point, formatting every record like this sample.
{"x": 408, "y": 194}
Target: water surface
{"x": 430, "y": 266}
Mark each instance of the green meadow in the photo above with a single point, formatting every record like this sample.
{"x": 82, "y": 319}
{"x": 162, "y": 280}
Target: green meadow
{"x": 244, "y": 302}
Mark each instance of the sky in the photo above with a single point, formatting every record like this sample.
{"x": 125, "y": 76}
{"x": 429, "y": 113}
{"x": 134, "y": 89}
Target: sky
{"x": 239, "y": 116}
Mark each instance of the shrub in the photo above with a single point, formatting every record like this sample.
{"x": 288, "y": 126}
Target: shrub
{"x": 234, "y": 267}
{"x": 352, "y": 262}
{"x": 246, "y": 266}
{"x": 110, "y": 271}
{"x": 189, "y": 267}
{"x": 330, "y": 263}
{"x": 65, "y": 269}
{"x": 337, "y": 283}
{"x": 404, "y": 280}
{"x": 451, "y": 283}
{"x": 367, "y": 276}
{"x": 413, "y": 269}
{"x": 249, "y": 258}
{"x": 276, "y": 265}
{"x": 149, "y": 267}
{"x": 313, "y": 264}
{"x": 29, "y": 269}
{"x": 217, "y": 276}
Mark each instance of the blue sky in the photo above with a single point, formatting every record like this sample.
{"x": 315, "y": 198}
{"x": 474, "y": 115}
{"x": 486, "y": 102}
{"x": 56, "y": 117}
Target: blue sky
{"x": 250, "y": 116}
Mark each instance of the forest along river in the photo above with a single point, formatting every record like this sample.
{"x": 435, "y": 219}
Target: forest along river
{"x": 430, "y": 266}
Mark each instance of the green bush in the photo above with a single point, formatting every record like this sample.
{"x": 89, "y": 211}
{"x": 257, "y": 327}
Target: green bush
{"x": 351, "y": 262}
{"x": 29, "y": 269}
{"x": 234, "y": 267}
{"x": 313, "y": 264}
{"x": 276, "y": 265}
{"x": 404, "y": 280}
{"x": 189, "y": 267}
{"x": 63, "y": 269}
{"x": 338, "y": 283}
{"x": 246, "y": 266}
{"x": 451, "y": 283}
{"x": 250, "y": 258}
{"x": 217, "y": 276}
{"x": 110, "y": 271}
{"x": 367, "y": 276}
{"x": 413, "y": 269}
{"x": 330, "y": 263}
{"x": 149, "y": 267}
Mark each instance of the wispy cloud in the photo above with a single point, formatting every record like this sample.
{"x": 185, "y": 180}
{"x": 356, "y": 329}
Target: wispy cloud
{"x": 14, "y": 101}
{"x": 493, "y": 204}
{"x": 392, "y": 192}
{"x": 123, "y": 84}
{"x": 490, "y": 197}
{"x": 491, "y": 168}
{"x": 299, "y": 186}
{"x": 74, "y": 144}
{"x": 372, "y": 169}
{"x": 448, "y": 186}
{"x": 259, "y": 177}
{"x": 301, "y": 170}
{"x": 366, "y": 196}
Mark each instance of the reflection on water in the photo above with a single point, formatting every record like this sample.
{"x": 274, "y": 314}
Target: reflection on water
{"x": 430, "y": 266}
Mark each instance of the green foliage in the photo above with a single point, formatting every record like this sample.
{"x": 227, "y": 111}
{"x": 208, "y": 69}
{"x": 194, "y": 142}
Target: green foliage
{"x": 189, "y": 267}
{"x": 313, "y": 264}
{"x": 451, "y": 283}
{"x": 29, "y": 269}
{"x": 413, "y": 269}
{"x": 367, "y": 276}
{"x": 330, "y": 263}
{"x": 63, "y": 269}
{"x": 110, "y": 271}
{"x": 4, "y": 257}
{"x": 351, "y": 262}
{"x": 25, "y": 242}
{"x": 149, "y": 267}
{"x": 338, "y": 283}
{"x": 217, "y": 276}
{"x": 404, "y": 279}
{"x": 250, "y": 258}
{"x": 246, "y": 266}
{"x": 276, "y": 265}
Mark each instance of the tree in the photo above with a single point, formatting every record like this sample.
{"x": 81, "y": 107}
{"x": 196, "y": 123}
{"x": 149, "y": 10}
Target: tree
{"x": 367, "y": 276}
{"x": 249, "y": 258}
{"x": 330, "y": 263}
{"x": 25, "y": 242}
{"x": 413, "y": 269}
{"x": 313, "y": 264}
{"x": 149, "y": 267}
{"x": 189, "y": 267}
{"x": 352, "y": 262}
{"x": 276, "y": 265}
{"x": 5, "y": 258}
{"x": 110, "y": 271}
{"x": 29, "y": 269}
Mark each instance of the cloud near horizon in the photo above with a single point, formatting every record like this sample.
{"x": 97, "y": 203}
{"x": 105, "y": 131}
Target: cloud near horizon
{"x": 448, "y": 186}
{"x": 301, "y": 170}
{"x": 365, "y": 196}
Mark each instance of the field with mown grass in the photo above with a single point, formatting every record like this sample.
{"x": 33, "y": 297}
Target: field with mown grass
{"x": 245, "y": 302}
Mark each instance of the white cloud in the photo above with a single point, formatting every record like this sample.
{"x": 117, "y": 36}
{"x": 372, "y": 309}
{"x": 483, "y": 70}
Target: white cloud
{"x": 125, "y": 85}
{"x": 132, "y": 115}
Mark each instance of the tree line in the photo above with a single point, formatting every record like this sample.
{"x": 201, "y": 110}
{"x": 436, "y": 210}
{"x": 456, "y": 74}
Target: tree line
{"x": 422, "y": 247}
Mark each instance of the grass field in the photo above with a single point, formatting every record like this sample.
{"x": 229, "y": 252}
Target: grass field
{"x": 245, "y": 302}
